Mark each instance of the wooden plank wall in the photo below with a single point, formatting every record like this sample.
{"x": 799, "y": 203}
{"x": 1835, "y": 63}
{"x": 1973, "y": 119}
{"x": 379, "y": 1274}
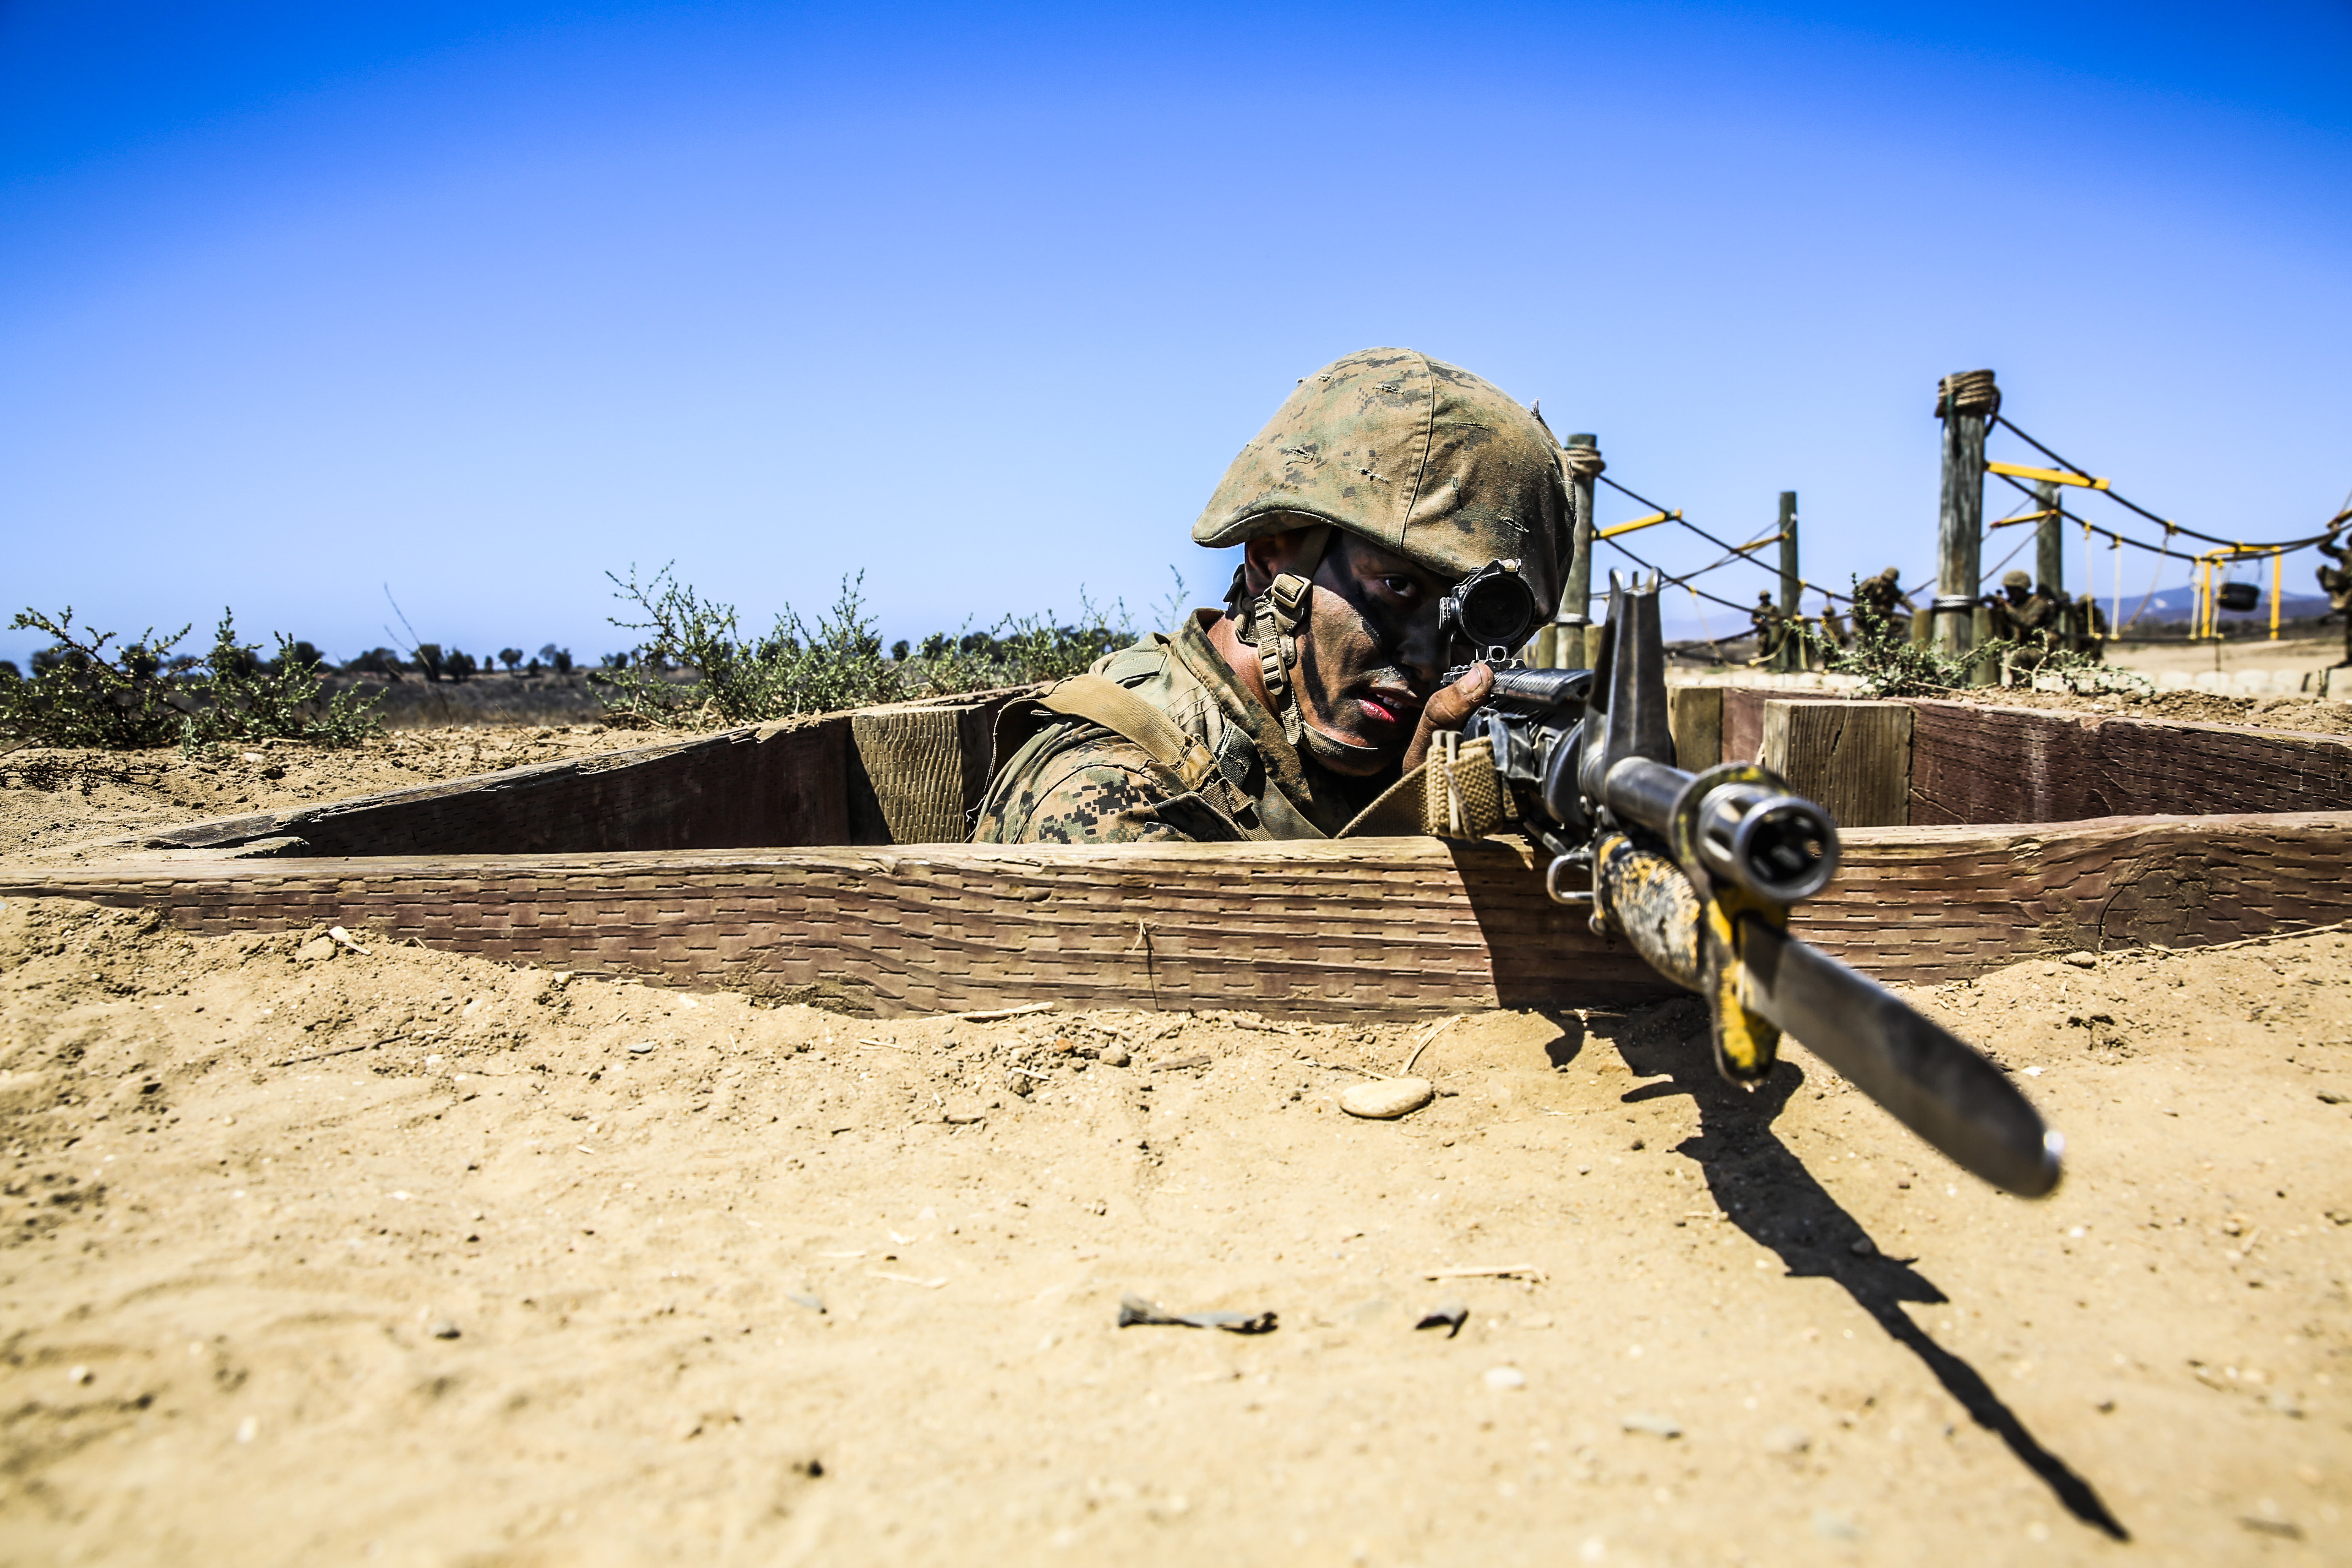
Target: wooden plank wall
{"x": 798, "y": 781}
{"x": 773, "y": 784}
{"x": 1974, "y": 763}
{"x": 1374, "y": 928}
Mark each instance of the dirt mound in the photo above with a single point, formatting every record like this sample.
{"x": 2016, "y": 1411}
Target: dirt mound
{"x": 313, "y": 1255}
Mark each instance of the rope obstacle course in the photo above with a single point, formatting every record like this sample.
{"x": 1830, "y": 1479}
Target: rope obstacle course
{"x": 1968, "y": 404}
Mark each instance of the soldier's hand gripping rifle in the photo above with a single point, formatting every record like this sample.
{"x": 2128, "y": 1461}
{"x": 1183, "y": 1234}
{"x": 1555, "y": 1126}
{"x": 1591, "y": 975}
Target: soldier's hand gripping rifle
{"x": 1698, "y": 870}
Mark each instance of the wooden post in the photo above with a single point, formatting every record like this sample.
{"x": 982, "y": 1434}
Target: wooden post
{"x": 1852, "y": 758}
{"x": 1964, "y": 402}
{"x": 1793, "y": 648}
{"x": 2049, "y": 543}
{"x": 1695, "y": 718}
{"x": 1576, "y": 599}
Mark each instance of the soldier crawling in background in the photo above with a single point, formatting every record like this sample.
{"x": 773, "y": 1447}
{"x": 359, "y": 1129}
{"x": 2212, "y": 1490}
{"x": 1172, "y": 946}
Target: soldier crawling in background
{"x": 2337, "y": 582}
{"x": 1882, "y": 610}
{"x": 1385, "y": 480}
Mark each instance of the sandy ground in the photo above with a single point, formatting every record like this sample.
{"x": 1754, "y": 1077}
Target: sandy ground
{"x": 2302, "y": 651}
{"x": 406, "y": 1258}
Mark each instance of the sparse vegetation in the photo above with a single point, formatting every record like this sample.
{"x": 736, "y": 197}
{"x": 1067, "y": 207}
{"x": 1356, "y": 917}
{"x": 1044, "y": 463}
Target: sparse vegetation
{"x": 142, "y": 694}
{"x": 1892, "y": 664}
{"x": 838, "y": 662}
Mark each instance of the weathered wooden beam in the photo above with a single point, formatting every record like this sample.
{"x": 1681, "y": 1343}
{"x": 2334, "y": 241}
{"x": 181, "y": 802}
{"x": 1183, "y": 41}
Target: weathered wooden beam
{"x": 1376, "y": 928}
{"x": 902, "y": 772}
{"x": 1974, "y": 763}
{"x": 1694, "y": 716}
{"x": 1854, "y": 758}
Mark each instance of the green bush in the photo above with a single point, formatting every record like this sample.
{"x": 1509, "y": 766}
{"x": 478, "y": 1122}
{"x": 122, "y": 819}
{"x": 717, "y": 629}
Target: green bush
{"x": 838, "y": 662}
{"x": 1890, "y": 665}
{"x": 143, "y": 695}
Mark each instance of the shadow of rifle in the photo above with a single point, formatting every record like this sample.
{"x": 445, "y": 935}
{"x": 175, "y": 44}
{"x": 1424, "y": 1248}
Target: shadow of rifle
{"x": 1770, "y": 1194}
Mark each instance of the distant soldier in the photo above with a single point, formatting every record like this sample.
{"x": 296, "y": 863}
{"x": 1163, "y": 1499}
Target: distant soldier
{"x": 1764, "y": 621}
{"x": 2336, "y": 580}
{"x": 1882, "y": 610}
{"x": 2022, "y": 612}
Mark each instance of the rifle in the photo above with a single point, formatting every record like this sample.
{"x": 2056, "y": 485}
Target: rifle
{"x": 1698, "y": 872}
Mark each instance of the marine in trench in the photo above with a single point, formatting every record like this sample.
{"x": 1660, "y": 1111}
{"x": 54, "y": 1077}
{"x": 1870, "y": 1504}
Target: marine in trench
{"x": 1384, "y": 481}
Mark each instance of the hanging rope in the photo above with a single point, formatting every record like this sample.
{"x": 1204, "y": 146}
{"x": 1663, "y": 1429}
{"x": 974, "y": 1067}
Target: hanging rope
{"x": 2169, "y": 525}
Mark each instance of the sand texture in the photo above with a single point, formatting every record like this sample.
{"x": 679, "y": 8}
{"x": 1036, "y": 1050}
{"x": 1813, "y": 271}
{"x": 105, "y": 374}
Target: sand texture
{"x": 313, "y": 1256}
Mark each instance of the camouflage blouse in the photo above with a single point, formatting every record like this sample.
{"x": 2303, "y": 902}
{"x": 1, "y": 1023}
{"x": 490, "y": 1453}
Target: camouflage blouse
{"x": 1072, "y": 782}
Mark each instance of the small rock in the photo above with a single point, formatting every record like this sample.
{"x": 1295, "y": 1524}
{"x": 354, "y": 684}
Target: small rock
{"x": 1788, "y": 1441}
{"x": 2081, "y": 960}
{"x": 443, "y": 1329}
{"x": 1447, "y": 1315}
{"x": 1503, "y": 1378}
{"x": 78, "y": 1374}
{"x": 1835, "y": 1527}
{"x": 641, "y": 1048}
{"x": 1115, "y": 1056}
{"x": 1864, "y": 1248}
{"x": 1386, "y": 1098}
{"x": 1655, "y": 1426}
{"x": 1639, "y": 1145}
{"x": 314, "y": 951}
{"x": 809, "y": 1298}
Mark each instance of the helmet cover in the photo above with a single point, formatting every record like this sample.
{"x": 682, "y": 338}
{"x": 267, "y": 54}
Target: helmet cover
{"x": 1417, "y": 456}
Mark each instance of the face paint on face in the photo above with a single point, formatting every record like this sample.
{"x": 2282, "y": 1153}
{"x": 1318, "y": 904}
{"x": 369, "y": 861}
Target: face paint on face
{"x": 1369, "y": 654}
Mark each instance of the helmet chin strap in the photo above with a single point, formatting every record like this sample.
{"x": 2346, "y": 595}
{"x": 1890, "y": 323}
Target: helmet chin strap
{"x": 1273, "y": 619}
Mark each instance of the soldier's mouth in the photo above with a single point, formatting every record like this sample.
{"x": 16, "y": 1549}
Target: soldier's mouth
{"x": 1387, "y": 708}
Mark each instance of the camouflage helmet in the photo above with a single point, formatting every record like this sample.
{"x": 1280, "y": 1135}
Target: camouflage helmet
{"x": 2016, "y": 580}
{"x": 1417, "y": 456}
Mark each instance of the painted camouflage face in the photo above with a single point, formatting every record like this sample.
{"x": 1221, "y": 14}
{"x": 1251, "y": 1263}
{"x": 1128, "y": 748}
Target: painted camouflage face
{"x": 1415, "y": 455}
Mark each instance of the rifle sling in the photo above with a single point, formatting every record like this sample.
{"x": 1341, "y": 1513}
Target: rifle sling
{"x": 1098, "y": 699}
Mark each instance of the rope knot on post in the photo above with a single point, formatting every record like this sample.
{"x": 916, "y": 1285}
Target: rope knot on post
{"x": 1967, "y": 391}
{"x": 1582, "y": 462}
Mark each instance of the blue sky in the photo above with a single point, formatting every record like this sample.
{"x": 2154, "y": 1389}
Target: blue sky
{"x": 481, "y": 301}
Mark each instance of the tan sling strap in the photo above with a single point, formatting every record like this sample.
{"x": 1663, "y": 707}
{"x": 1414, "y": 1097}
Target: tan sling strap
{"x": 1101, "y": 700}
{"x": 1456, "y": 794}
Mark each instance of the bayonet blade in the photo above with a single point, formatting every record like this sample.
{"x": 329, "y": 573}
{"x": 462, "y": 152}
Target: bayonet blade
{"x": 1927, "y": 1078}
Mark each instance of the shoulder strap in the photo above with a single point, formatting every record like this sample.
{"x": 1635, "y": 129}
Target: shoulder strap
{"x": 1101, "y": 700}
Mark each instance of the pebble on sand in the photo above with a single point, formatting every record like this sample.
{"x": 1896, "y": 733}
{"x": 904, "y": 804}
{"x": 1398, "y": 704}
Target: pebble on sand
{"x": 443, "y": 1329}
{"x": 1655, "y": 1426}
{"x": 641, "y": 1048}
{"x": 1386, "y": 1098}
{"x": 2081, "y": 960}
{"x": 1505, "y": 1377}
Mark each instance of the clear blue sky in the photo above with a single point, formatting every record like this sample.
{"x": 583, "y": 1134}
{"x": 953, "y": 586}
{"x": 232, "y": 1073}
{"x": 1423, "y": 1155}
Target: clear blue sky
{"x": 481, "y": 299}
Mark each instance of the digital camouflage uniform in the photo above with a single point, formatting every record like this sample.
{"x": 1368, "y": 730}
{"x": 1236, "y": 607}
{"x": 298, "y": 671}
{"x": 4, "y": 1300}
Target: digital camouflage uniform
{"x": 1416, "y": 456}
{"x": 1076, "y": 782}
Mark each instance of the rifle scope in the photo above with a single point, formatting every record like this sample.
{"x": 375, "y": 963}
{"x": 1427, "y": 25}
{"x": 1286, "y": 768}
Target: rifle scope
{"x": 1746, "y": 829}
